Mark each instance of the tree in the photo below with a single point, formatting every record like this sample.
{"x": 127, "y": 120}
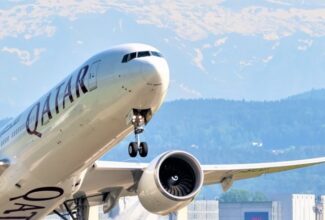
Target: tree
{"x": 237, "y": 195}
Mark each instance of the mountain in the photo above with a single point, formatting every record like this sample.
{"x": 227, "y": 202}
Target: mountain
{"x": 315, "y": 94}
{"x": 225, "y": 126}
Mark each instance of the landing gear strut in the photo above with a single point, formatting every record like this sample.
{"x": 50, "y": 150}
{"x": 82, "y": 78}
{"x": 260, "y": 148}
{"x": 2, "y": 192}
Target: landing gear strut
{"x": 76, "y": 209}
{"x": 138, "y": 121}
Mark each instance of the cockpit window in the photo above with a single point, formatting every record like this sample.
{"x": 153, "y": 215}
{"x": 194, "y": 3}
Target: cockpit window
{"x": 157, "y": 54}
{"x": 144, "y": 54}
{"x": 125, "y": 58}
{"x": 131, "y": 56}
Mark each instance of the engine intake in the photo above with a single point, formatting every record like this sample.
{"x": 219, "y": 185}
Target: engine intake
{"x": 177, "y": 176}
{"x": 171, "y": 182}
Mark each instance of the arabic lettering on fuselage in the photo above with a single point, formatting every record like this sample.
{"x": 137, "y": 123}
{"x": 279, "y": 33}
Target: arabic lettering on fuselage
{"x": 40, "y": 111}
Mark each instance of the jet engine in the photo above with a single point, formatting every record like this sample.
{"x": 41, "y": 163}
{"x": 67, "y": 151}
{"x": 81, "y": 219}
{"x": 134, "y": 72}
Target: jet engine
{"x": 170, "y": 182}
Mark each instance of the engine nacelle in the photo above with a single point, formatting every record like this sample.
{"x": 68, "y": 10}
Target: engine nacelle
{"x": 170, "y": 182}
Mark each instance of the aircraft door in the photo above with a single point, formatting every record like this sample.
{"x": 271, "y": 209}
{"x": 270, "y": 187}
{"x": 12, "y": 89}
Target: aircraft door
{"x": 92, "y": 80}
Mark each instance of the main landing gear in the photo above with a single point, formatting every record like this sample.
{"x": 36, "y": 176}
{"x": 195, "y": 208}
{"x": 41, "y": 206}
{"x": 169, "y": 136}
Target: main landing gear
{"x": 134, "y": 148}
{"x": 75, "y": 209}
{"x": 138, "y": 122}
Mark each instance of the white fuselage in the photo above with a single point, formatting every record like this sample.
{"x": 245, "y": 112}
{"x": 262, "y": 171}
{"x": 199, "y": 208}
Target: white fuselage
{"x": 53, "y": 142}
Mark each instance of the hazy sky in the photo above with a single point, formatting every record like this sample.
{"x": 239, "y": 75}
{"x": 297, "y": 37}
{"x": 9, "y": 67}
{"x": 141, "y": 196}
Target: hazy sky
{"x": 254, "y": 50}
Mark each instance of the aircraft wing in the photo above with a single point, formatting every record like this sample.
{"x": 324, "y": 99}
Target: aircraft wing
{"x": 227, "y": 174}
{"x": 107, "y": 175}
{"x": 105, "y": 182}
{"x": 119, "y": 179}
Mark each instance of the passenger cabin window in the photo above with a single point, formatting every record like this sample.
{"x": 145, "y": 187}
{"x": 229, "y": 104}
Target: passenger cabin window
{"x": 131, "y": 56}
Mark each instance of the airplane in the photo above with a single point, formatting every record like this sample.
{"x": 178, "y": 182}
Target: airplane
{"x": 49, "y": 153}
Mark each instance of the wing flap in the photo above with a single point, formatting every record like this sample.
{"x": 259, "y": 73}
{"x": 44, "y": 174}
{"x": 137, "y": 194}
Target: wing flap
{"x": 105, "y": 176}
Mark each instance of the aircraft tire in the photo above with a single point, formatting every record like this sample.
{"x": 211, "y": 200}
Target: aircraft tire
{"x": 133, "y": 149}
{"x": 143, "y": 150}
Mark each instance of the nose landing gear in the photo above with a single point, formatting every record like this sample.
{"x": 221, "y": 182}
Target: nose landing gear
{"x": 134, "y": 148}
{"x": 138, "y": 122}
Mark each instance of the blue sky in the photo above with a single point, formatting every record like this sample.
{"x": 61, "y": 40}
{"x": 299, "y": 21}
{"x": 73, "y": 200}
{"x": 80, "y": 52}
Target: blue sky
{"x": 253, "y": 50}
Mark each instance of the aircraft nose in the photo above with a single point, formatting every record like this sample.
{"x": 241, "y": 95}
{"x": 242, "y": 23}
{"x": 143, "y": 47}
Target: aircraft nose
{"x": 156, "y": 73}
